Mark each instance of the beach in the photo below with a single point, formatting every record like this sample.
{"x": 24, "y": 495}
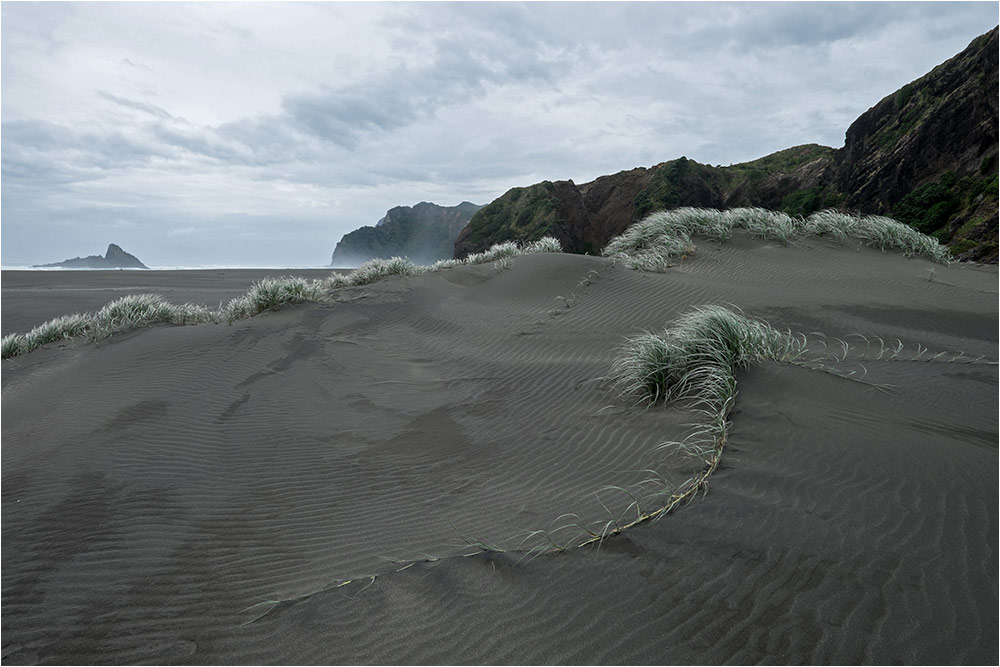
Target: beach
{"x": 358, "y": 481}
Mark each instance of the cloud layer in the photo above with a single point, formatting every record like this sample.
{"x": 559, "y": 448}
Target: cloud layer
{"x": 258, "y": 134}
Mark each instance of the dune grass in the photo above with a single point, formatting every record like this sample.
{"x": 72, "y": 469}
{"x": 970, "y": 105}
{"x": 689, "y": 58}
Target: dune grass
{"x": 60, "y": 328}
{"x": 693, "y": 362}
{"x": 658, "y": 240}
{"x": 698, "y": 356}
{"x": 270, "y": 293}
{"x": 374, "y": 270}
{"x": 140, "y": 310}
{"x": 121, "y": 315}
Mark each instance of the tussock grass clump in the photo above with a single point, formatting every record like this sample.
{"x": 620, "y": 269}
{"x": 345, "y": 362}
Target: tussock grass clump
{"x": 60, "y": 328}
{"x": 444, "y": 264}
{"x": 375, "y": 269}
{"x": 270, "y": 293}
{"x": 500, "y": 252}
{"x": 121, "y": 315}
{"x": 660, "y": 257}
{"x": 832, "y": 223}
{"x": 496, "y": 251}
{"x": 656, "y": 241}
{"x": 888, "y": 234}
{"x": 653, "y": 243}
{"x": 698, "y": 357}
{"x": 133, "y": 311}
{"x": 12, "y": 345}
{"x": 544, "y": 244}
{"x": 139, "y": 310}
{"x": 764, "y": 224}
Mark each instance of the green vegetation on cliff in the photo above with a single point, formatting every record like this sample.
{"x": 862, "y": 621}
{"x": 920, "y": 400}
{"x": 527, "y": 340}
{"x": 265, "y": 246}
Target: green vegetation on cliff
{"x": 522, "y": 214}
{"x": 673, "y": 182}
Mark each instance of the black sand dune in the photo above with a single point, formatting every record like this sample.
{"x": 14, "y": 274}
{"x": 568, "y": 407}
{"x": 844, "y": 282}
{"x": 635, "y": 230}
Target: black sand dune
{"x": 158, "y": 484}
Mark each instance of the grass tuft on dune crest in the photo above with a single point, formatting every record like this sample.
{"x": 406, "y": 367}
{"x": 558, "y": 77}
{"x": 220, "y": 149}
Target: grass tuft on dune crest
{"x": 139, "y": 310}
{"x": 658, "y": 240}
{"x": 271, "y": 293}
{"x": 375, "y": 269}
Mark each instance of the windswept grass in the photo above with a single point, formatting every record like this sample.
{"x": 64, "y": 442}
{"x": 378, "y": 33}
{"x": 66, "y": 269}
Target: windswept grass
{"x": 697, "y": 358}
{"x": 764, "y": 224}
{"x": 121, "y": 315}
{"x": 60, "y": 328}
{"x": 495, "y": 252}
{"x": 658, "y": 240}
{"x": 693, "y": 362}
{"x": 139, "y": 310}
{"x": 375, "y": 269}
{"x": 271, "y": 293}
{"x": 878, "y": 231}
{"x": 544, "y": 244}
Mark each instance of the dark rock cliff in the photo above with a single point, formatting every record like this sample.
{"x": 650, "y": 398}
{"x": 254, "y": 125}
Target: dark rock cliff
{"x": 926, "y": 155}
{"x": 425, "y": 233}
{"x": 114, "y": 258}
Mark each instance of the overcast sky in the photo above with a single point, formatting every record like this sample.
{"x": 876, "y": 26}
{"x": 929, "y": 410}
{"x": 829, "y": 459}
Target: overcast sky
{"x": 258, "y": 134}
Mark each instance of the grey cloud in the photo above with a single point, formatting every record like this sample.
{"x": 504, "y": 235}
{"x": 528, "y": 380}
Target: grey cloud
{"x": 461, "y": 70}
{"x": 343, "y": 117}
{"x": 269, "y": 140}
{"x": 37, "y": 134}
{"x": 138, "y": 65}
{"x": 138, "y": 106}
{"x": 29, "y": 176}
{"x": 764, "y": 25}
{"x": 50, "y": 147}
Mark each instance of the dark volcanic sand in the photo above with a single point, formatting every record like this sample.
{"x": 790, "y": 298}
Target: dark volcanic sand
{"x": 157, "y": 485}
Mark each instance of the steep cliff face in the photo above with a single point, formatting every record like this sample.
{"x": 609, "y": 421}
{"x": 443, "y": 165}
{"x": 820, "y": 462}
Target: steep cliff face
{"x": 114, "y": 258}
{"x": 425, "y": 233}
{"x": 926, "y": 155}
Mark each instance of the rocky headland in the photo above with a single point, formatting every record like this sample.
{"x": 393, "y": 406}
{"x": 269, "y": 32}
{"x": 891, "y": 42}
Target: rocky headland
{"x": 425, "y": 233}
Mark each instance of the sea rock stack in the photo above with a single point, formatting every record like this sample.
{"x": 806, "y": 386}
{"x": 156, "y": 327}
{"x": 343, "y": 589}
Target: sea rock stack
{"x": 114, "y": 258}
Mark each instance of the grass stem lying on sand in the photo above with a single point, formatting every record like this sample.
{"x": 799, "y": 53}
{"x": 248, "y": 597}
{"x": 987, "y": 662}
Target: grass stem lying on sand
{"x": 481, "y": 545}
